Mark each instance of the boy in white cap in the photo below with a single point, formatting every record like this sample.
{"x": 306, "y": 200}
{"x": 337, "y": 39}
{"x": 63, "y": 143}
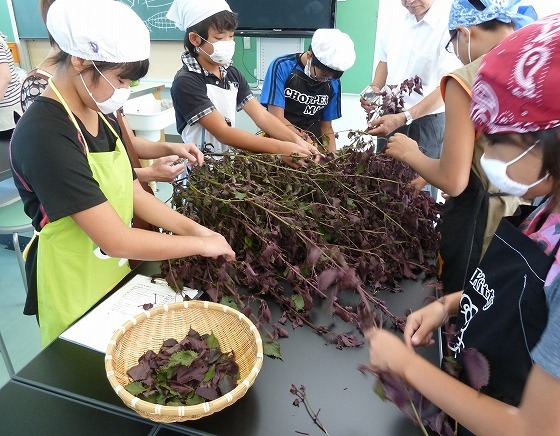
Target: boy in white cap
{"x": 75, "y": 178}
{"x": 303, "y": 89}
{"x": 208, "y": 91}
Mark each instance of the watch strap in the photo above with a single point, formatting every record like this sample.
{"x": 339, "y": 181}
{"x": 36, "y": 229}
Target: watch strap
{"x": 409, "y": 118}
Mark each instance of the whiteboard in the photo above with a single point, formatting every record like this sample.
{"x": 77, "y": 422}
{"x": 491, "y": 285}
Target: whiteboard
{"x": 30, "y": 24}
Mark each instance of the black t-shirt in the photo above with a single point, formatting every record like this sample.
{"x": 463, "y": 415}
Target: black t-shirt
{"x": 189, "y": 94}
{"x": 50, "y": 165}
{"x": 51, "y": 170}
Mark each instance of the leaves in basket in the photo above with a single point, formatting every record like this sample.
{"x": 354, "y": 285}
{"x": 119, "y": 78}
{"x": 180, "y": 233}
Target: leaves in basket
{"x": 184, "y": 373}
{"x": 136, "y": 388}
{"x": 181, "y": 358}
{"x": 212, "y": 341}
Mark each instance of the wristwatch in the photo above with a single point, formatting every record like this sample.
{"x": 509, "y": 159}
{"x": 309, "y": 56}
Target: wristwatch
{"x": 409, "y": 118}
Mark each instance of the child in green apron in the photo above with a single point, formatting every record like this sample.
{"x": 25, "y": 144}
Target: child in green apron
{"x": 75, "y": 177}
{"x": 510, "y": 308}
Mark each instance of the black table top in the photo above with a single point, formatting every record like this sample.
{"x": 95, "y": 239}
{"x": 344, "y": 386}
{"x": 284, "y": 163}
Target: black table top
{"x": 31, "y": 411}
{"x": 333, "y": 384}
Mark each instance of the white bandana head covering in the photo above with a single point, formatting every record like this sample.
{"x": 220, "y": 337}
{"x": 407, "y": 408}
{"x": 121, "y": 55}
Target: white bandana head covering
{"x": 99, "y": 30}
{"x": 463, "y": 13}
{"x": 333, "y": 48}
{"x": 187, "y": 13}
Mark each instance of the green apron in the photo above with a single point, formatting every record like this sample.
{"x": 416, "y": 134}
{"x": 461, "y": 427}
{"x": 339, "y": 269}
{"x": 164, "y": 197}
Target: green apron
{"x": 72, "y": 272}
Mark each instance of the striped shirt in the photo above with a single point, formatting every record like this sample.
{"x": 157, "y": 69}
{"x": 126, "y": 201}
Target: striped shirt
{"x": 11, "y": 97}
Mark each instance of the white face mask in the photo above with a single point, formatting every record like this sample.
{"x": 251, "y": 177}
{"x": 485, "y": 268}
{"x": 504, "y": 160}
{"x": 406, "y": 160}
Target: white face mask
{"x": 223, "y": 51}
{"x": 117, "y": 99}
{"x": 496, "y": 170}
{"x": 307, "y": 69}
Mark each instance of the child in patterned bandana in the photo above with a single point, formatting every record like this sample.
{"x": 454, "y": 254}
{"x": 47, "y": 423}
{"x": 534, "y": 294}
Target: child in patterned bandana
{"x": 474, "y": 207}
{"x": 510, "y": 308}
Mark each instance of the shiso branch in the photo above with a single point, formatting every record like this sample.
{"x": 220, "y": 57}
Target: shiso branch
{"x": 302, "y": 398}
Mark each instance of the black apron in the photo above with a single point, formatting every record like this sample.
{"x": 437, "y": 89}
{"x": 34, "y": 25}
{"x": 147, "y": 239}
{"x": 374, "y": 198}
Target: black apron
{"x": 462, "y": 231}
{"x": 305, "y": 99}
{"x": 503, "y": 310}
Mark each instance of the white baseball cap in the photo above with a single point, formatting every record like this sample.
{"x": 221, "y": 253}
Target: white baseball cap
{"x": 187, "y": 13}
{"x": 333, "y": 48}
{"x": 99, "y": 30}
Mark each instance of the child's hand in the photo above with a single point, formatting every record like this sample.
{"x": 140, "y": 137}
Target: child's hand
{"x": 299, "y": 153}
{"x": 215, "y": 246}
{"x": 420, "y": 324}
{"x": 302, "y": 148}
{"x": 188, "y": 151}
{"x": 387, "y": 353}
{"x": 163, "y": 170}
{"x": 419, "y": 183}
{"x": 200, "y": 230}
{"x": 400, "y": 146}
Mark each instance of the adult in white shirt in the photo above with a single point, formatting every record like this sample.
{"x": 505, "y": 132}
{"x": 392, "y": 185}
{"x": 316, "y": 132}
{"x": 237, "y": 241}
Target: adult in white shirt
{"x": 413, "y": 44}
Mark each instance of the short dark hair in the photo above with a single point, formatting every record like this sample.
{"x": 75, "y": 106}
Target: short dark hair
{"x": 220, "y": 21}
{"x": 550, "y": 141}
{"x": 130, "y": 70}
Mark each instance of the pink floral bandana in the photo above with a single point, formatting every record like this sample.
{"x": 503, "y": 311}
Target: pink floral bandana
{"x": 517, "y": 88}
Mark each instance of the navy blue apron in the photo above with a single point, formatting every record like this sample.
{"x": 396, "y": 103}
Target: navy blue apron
{"x": 503, "y": 310}
{"x": 305, "y": 99}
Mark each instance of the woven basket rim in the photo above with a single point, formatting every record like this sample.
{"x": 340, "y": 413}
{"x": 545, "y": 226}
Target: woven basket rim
{"x": 206, "y": 408}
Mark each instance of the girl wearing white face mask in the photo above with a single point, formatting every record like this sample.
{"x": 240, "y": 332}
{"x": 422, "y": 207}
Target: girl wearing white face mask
{"x": 115, "y": 101}
{"x": 475, "y": 207}
{"x": 208, "y": 91}
{"x": 509, "y": 310}
{"x": 75, "y": 177}
{"x": 162, "y": 153}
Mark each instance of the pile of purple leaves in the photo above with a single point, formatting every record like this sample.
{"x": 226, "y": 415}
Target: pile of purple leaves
{"x": 184, "y": 373}
{"x": 349, "y": 223}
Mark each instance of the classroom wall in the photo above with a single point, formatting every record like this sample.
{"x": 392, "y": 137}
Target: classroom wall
{"x": 5, "y": 20}
{"x": 358, "y": 18}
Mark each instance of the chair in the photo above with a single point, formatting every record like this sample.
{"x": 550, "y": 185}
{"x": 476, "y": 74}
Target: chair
{"x": 6, "y": 357}
{"x": 13, "y": 220}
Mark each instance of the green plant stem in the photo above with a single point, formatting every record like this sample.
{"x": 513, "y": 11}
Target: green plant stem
{"x": 420, "y": 424}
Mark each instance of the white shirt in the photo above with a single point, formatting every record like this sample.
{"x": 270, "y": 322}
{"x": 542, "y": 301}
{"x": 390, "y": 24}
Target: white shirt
{"x": 417, "y": 48}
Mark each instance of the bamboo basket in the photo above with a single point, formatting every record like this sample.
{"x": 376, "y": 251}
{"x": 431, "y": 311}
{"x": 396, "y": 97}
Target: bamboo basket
{"x": 149, "y": 329}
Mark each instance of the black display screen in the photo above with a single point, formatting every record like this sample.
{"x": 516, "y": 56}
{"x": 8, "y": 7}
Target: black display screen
{"x": 283, "y": 17}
